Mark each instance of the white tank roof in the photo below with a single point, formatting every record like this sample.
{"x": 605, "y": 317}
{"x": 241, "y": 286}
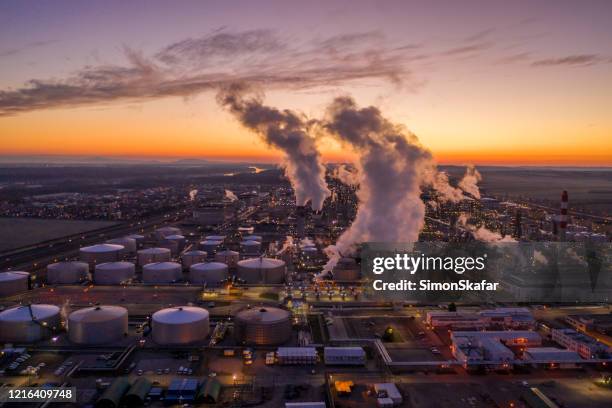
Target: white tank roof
{"x": 175, "y": 236}
{"x": 253, "y": 238}
{"x": 261, "y": 263}
{"x": 162, "y": 266}
{"x": 263, "y": 315}
{"x": 211, "y": 242}
{"x": 209, "y": 266}
{"x": 121, "y": 265}
{"x": 180, "y": 315}
{"x": 194, "y": 252}
{"x": 13, "y": 275}
{"x": 103, "y": 248}
{"x": 227, "y": 252}
{"x": 154, "y": 251}
{"x": 97, "y": 314}
{"x": 215, "y": 237}
{"x": 25, "y": 313}
{"x": 250, "y": 243}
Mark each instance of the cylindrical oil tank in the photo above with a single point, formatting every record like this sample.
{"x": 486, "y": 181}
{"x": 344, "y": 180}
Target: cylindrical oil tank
{"x": 114, "y": 273}
{"x": 162, "y": 272}
{"x": 150, "y": 255}
{"x": 261, "y": 270}
{"x": 101, "y": 253}
{"x": 228, "y": 257}
{"x": 180, "y": 325}
{"x": 346, "y": 269}
{"x": 66, "y": 273}
{"x": 250, "y": 247}
{"x": 173, "y": 246}
{"x": 98, "y": 325}
{"x": 163, "y": 232}
{"x": 138, "y": 238}
{"x": 193, "y": 257}
{"x": 13, "y": 282}
{"x": 179, "y": 239}
{"x": 27, "y": 324}
{"x": 211, "y": 272}
{"x": 262, "y": 326}
{"x": 215, "y": 238}
{"x": 257, "y": 238}
{"x": 129, "y": 244}
{"x": 210, "y": 246}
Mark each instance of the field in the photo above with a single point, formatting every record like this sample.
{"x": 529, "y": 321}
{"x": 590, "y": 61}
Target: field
{"x": 20, "y": 232}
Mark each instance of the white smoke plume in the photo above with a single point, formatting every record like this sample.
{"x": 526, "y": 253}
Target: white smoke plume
{"x": 482, "y": 233}
{"x": 392, "y": 166}
{"x": 440, "y": 183}
{"x": 287, "y": 131}
{"x": 469, "y": 182}
{"x": 287, "y": 245}
{"x": 192, "y": 194}
{"x": 539, "y": 257}
{"x": 230, "y": 195}
{"x": 306, "y": 242}
{"x": 346, "y": 174}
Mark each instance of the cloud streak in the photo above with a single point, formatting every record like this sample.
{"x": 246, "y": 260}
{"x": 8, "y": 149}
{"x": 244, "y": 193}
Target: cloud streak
{"x": 195, "y": 65}
{"x": 571, "y": 60}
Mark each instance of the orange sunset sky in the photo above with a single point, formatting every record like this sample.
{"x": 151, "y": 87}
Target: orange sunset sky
{"x": 528, "y": 84}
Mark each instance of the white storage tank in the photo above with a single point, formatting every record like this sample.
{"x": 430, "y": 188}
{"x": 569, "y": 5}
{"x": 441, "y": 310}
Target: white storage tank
{"x": 162, "y": 272}
{"x": 179, "y": 239}
{"x": 261, "y": 270}
{"x": 257, "y": 238}
{"x": 28, "y": 324}
{"x": 173, "y": 246}
{"x": 138, "y": 238}
{"x": 150, "y": 255}
{"x": 163, "y": 232}
{"x": 211, "y": 272}
{"x": 101, "y": 253}
{"x": 114, "y": 273}
{"x": 98, "y": 325}
{"x": 13, "y": 282}
{"x": 129, "y": 244}
{"x": 210, "y": 246}
{"x": 193, "y": 257}
{"x": 180, "y": 325}
{"x": 67, "y": 273}
{"x": 264, "y": 326}
{"x": 228, "y": 257}
{"x": 250, "y": 247}
{"x": 215, "y": 238}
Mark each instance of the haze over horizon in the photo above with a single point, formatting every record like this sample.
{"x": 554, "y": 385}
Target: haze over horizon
{"x": 478, "y": 82}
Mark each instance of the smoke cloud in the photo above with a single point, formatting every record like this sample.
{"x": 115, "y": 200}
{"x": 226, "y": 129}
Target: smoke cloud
{"x": 346, "y": 174}
{"x": 230, "y": 195}
{"x": 470, "y": 180}
{"x": 287, "y": 131}
{"x": 482, "y": 233}
{"x": 391, "y": 168}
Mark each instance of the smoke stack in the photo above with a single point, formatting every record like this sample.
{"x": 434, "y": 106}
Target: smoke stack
{"x": 563, "y": 216}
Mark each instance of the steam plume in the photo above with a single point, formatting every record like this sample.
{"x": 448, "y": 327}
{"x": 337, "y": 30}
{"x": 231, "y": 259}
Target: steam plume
{"x": 392, "y": 166}
{"x": 230, "y": 195}
{"x": 287, "y": 131}
{"x": 346, "y": 175}
{"x": 470, "y": 180}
